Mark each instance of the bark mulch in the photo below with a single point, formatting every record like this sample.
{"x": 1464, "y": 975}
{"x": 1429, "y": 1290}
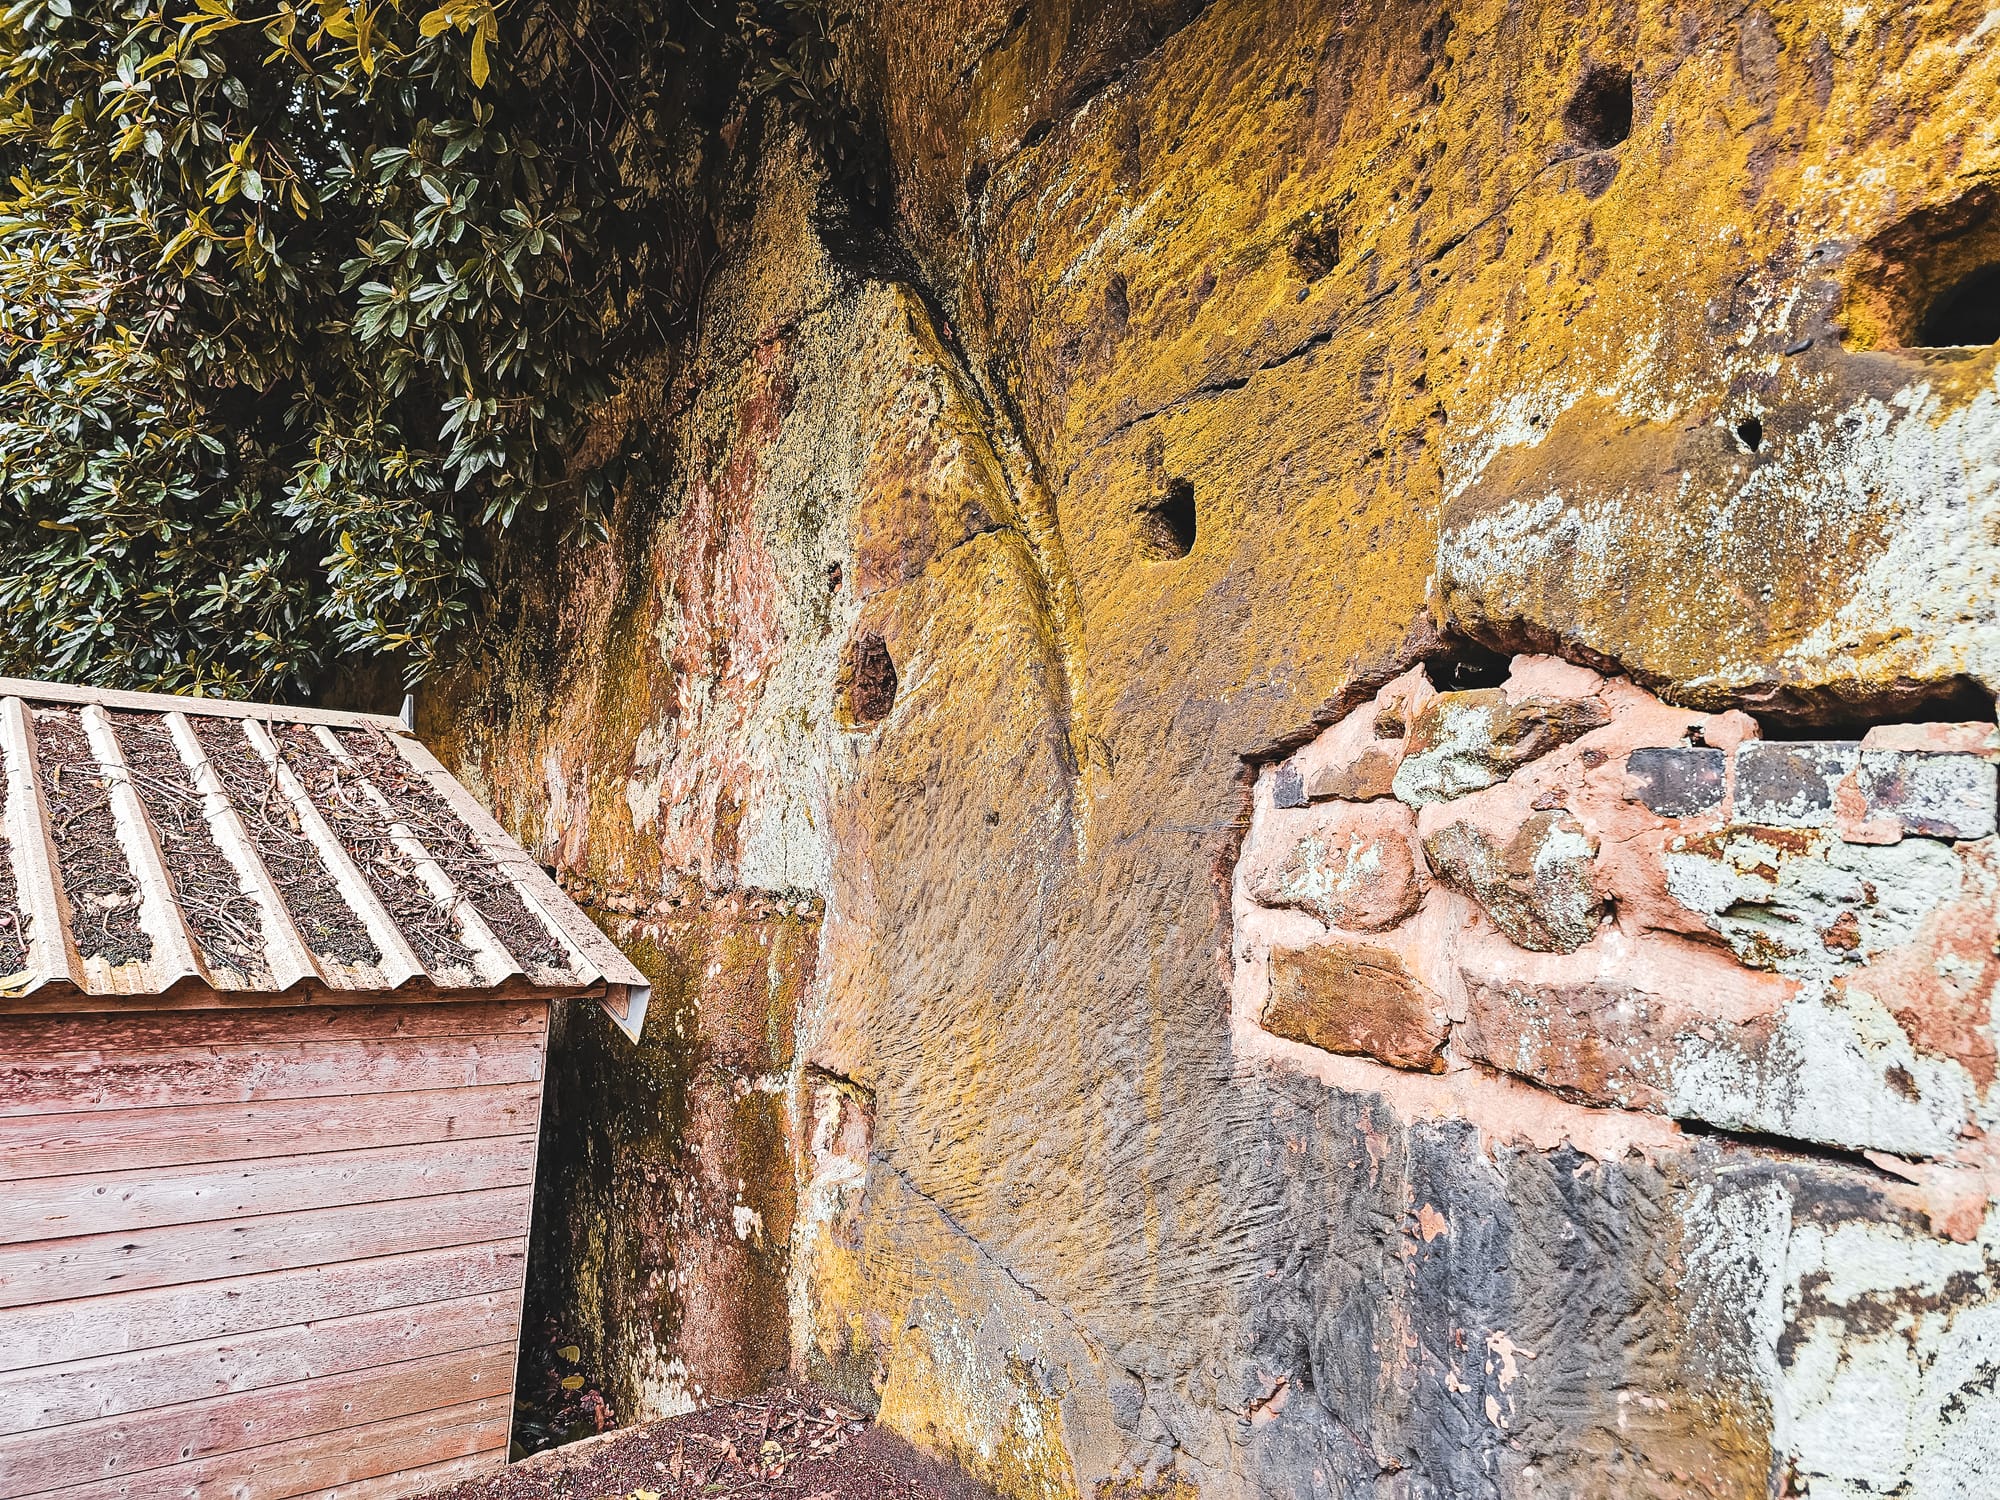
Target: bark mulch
{"x": 791, "y": 1443}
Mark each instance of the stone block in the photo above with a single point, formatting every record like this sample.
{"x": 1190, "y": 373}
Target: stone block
{"x": 1608, "y": 1025}
{"x": 1359, "y": 999}
{"x": 1461, "y": 742}
{"x": 1943, "y": 796}
{"x": 1287, "y": 787}
{"x": 1596, "y": 1041}
{"x": 1350, "y": 866}
{"x": 1805, "y": 902}
{"x": 1369, "y": 775}
{"x": 1399, "y": 702}
{"x": 1676, "y": 781}
{"x": 1537, "y": 886}
{"x": 1791, "y": 784}
{"x": 1355, "y": 760}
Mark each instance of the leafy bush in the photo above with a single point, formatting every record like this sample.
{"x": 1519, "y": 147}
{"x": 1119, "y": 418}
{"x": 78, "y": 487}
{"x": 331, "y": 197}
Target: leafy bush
{"x": 294, "y": 304}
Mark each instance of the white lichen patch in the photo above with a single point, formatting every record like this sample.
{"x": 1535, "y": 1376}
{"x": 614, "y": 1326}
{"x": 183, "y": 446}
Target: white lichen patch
{"x": 1873, "y": 1347}
{"x": 1318, "y": 875}
{"x": 1938, "y": 577}
{"x": 1879, "y": 520}
{"x": 1892, "y": 1384}
{"x": 1837, "y": 1069}
{"x": 1778, "y": 904}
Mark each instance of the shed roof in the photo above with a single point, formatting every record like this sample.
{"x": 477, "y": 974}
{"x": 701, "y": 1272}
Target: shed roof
{"x": 149, "y": 842}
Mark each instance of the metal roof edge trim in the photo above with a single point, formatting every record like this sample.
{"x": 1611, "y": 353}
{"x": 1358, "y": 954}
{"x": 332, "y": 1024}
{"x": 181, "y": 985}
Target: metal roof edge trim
{"x": 222, "y": 708}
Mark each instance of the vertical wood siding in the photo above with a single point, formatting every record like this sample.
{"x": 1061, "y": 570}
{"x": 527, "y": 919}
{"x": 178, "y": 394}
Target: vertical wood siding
{"x": 257, "y": 1255}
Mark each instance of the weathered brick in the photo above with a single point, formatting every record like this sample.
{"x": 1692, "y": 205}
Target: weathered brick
{"x": 1288, "y": 787}
{"x": 1791, "y": 785}
{"x": 1359, "y": 999}
{"x": 1677, "y": 781}
{"x": 1940, "y": 795}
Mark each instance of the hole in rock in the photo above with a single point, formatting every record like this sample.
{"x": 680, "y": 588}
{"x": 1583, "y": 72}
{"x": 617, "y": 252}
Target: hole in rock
{"x": 1956, "y": 700}
{"x": 1118, "y": 302}
{"x": 1468, "y": 667}
{"x": 1967, "y": 313}
{"x": 1930, "y": 280}
{"x": 1751, "y": 432}
{"x": 1315, "y": 246}
{"x": 1599, "y": 115}
{"x": 1167, "y": 527}
{"x": 871, "y": 682}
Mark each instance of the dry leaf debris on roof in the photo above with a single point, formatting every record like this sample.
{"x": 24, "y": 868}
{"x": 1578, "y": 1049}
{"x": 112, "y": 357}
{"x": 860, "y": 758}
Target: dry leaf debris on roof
{"x": 223, "y": 916}
{"x": 331, "y": 928}
{"x": 103, "y": 894}
{"x": 147, "y": 840}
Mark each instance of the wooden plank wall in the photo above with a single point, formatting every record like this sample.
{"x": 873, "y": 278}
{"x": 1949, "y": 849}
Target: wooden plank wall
{"x": 261, "y": 1254}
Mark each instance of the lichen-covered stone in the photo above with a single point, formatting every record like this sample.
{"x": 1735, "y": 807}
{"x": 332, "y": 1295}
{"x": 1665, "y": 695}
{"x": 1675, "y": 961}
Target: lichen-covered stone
{"x": 1799, "y": 902}
{"x": 1356, "y": 997}
{"x": 1288, "y": 787}
{"x": 1940, "y": 796}
{"x": 1356, "y": 760}
{"x": 1537, "y": 886}
{"x": 1791, "y": 785}
{"x": 1460, "y": 742}
{"x": 1612, "y": 1028}
{"x": 1351, "y": 867}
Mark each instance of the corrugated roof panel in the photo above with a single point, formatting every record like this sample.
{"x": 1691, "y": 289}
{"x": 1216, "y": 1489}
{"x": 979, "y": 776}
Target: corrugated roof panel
{"x": 281, "y": 948}
{"x": 147, "y": 840}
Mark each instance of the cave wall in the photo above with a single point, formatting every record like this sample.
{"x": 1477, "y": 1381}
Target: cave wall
{"x": 1302, "y": 760}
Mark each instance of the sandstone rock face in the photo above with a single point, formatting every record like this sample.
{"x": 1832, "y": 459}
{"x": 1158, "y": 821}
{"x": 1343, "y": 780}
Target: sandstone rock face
{"x": 1253, "y": 420}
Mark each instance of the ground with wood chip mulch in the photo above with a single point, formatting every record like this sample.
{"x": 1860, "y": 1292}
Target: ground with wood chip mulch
{"x": 792, "y": 1442}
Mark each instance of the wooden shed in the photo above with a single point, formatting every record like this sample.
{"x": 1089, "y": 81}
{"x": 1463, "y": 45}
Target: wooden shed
{"x": 274, "y": 1002}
